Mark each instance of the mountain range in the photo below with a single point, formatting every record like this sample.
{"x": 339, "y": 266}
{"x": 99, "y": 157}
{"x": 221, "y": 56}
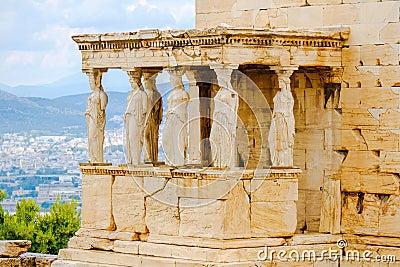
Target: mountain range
{"x": 53, "y": 116}
{"x": 58, "y": 108}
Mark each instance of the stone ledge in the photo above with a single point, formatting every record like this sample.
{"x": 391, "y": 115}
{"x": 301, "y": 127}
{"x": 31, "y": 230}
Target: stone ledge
{"x": 151, "y": 254}
{"x": 204, "y": 173}
{"x": 13, "y": 248}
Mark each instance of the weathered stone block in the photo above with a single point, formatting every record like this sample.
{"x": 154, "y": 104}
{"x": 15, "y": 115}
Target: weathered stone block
{"x": 350, "y": 181}
{"x": 372, "y": 55}
{"x": 362, "y": 76}
{"x": 313, "y": 209}
{"x": 90, "y": 243}
{"x": 382, "y": 140}
{"x": 128, "y": 204}
{"x": 380, "y": 12}
{"x": 274, "y": 190}
{"x": 271, "y": 18}
{"x": 305, "y": 17}
{"x": 360, "y": 214}
{"x": 361, "y": 161}
{"x": 311, "y": 178}
{"x": 389, "y": 216}
{"x": 211, "y": 218}
{"x": 13, "y": 248}
{"x": 362, "y": 34}
{"x": 273, "y": 219}
{"x": 310, "y": 139}
{"x": 389, "y": 75}
{"x": 390, "y": 33}
{"x": 359, "y": 118}
{"x": 209, "y": 6}
{"x": 323, "y": 2}
{"x": 369, "y": 97}
{"x": 252, "y": 4}
{"x": 351, "y": 55}
{"x": 390, "y": 120}
{"x": 390, "y": 162}
{"x": 379, "y": 183}
{"x": 129, "y": 247}
{"x": 331, "y": 208}
{"x": 301, "y": 211}
{"x": 96, "y": 202}
{"x": 288, "y": 3}
{"x": 101, "y": 258}
{"x": 341, "y": 15}
{"x": 161, "y": 218}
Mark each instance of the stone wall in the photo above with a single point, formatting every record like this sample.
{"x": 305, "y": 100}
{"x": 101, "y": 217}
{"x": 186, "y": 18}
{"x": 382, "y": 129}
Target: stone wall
{"x": 363, "y": 129}
{"x": 13, "y": 253}
{"x": 217, "y": 205}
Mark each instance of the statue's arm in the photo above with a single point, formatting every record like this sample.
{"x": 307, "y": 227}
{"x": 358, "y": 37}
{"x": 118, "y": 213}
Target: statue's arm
{"x": 159, "y": 112}
{"x": 145, "y": 105}
{"x": 103, "y": 101}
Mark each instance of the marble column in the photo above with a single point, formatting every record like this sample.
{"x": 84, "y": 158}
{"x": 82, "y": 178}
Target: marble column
{"x": 135, "y": 117}
{"x": 175, "y": 136}
{"x": 223, "y": 129}
{"x": 282, "y": 131}
{"x": 96, "y": 115}
{"x": 154, "y": 117}
{"x": 194, "y": 119}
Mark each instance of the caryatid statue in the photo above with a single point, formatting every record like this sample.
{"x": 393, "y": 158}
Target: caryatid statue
{"x": 223, "y": 129}
{"x": 175, "y": 136}
{"x": 135, "y": 117}
{"x": 96, "y": 116}
{"x": 281, "y": 137}
{"x": 154, "y": 117}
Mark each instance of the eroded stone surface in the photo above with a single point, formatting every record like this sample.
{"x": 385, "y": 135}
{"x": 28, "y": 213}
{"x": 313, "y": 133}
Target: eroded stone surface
{"x": 14, "y": 248}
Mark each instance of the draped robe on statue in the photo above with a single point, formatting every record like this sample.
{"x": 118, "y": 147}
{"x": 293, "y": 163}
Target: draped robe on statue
{"x": 135, "y": 117}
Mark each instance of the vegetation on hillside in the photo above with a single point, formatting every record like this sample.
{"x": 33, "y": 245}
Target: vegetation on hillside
{"x": 49, "y": 232}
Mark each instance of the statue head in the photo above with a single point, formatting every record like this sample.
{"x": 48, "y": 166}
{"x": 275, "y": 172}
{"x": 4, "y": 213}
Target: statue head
{"x": 95, "y": 79}
{"x": 176, "y": 77}
{"x": 150, "y": 81}
{"x": 135, "y": 79}
{"x": 283, "y": 84}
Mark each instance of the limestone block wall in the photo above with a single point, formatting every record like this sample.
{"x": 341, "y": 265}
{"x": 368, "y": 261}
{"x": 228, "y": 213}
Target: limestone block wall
{"x": 367, "y": 130}
{"x": 188, "y": 205}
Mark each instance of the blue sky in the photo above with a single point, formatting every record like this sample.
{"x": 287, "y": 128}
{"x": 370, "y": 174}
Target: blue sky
{"x": 37, "y": 48}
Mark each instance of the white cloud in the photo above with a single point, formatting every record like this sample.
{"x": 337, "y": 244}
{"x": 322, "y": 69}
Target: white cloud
{"x": 179, "y": 12}
{"x": 142, "y": 3}
{"x": 39, "y": 45}
{"x": 23, "y": 58}
{"x": 131, "y": 8}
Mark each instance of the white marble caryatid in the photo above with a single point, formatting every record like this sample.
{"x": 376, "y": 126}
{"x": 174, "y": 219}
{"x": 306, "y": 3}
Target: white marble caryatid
{"x": 282, "y": 131}
{"x": 175, "y": 139}
{"x": 223, "y": 129}
{"x": 154, "y": 117}
{"x": 135, "y": 118}
{"x": 96, "y": 116}
{"x": 194, "y": 118}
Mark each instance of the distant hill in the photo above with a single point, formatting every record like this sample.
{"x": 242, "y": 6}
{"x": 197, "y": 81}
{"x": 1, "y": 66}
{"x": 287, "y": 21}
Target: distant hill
{"x": 113, "y": 81}
{"x": 71, "y": 85}
{"x": 59, "y": 107}
{"x": 53, "y": 116}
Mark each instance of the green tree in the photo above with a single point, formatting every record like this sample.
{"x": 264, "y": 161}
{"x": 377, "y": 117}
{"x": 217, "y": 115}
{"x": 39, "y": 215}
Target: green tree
{"x": 3, "y": 196}
{"x": 22, "y": 224}
{"x": 55, "y": 228}
{"x": 49, "y": 232}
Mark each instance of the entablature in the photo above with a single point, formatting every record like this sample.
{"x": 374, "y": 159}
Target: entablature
{"x": 221, "y": 45}
{"x": 329, "y": 37}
